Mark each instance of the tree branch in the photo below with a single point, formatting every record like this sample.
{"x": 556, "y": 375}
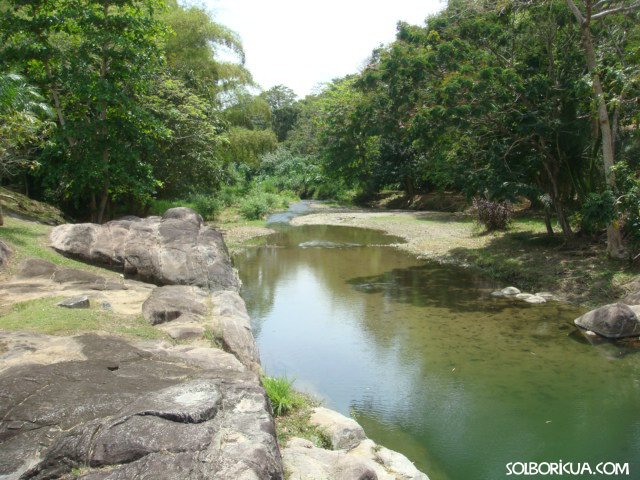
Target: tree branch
{"x": 576, "y": 11}
{"x": 611, "y": 11}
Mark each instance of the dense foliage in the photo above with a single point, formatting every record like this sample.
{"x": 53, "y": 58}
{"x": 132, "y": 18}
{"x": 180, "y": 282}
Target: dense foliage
{"x": 109, "y": 107}
{"x": 496, "y": 100}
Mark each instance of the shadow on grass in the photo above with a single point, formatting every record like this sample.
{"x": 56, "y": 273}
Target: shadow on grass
{"x": 578, "y": 270}
{"x": 18, "y": 235}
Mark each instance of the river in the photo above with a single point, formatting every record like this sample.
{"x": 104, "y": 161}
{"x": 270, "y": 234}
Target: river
{"x": 429, "y": 363}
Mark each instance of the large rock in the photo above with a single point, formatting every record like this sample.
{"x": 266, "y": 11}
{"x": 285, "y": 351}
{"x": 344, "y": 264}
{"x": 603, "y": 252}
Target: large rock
{"x": 615, "y": 320}
{"x": 177, "y": 249}
{"x": 115, "y": 411}
{"x": 37, "y": 269}
{"x": 186, "y": 312}
{"x": 368, "y": 461}
{"x": 343, "y": 432}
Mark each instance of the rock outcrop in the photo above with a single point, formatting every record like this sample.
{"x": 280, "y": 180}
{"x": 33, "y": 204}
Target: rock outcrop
{"x": 352, "y": 457}
{"x": 175, "y": 249}
{"x": 615, "y": 320}
{"x": 117, "y": 411}
{"x": 186, "y": 312}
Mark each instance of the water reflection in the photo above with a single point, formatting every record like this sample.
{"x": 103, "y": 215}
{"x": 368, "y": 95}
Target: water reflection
{"x": 430, "y": 363}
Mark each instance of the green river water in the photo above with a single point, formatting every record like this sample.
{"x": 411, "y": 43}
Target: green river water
{"x": 430, "y": 364}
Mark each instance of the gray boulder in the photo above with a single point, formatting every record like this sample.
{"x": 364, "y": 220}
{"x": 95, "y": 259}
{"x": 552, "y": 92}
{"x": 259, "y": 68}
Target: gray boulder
{"x": 343, "y": 432}
{"x": 175, "y": 249}
{"x": 120, "y": 412}
{"x": 615, "y": 320}
{"x": 35, "y": 268}
{"x": 169, "y": 303}
{"x": 75, "y": 302}
{"x": 187, "y": 312}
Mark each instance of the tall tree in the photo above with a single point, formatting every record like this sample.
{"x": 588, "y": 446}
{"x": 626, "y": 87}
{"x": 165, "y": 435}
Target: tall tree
{"x": 94, "y": 58}
{"x": 284, "y": 109}
{"x": 593, "y": 11}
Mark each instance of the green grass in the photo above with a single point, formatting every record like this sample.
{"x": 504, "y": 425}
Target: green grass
{"x": 282, "y": 395}
{"x": 577, "y": 269}
{"x": 31, "y": 239}
{"x": 292, "y": 411}
{"x": 17, "y": 203}
{"x": 44, "y": 316}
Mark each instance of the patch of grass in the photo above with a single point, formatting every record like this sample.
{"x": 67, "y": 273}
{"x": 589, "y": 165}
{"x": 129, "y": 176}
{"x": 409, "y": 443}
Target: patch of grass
{"x": 26, "y": 207}
{"x": 577, "y": 270}
{"x": 31, "y": 239}
{"x": 282, "y": 395}
{"x": 292, "y": 418}
{"x": 44, "y": 316}
{"x": 213, "y": 338}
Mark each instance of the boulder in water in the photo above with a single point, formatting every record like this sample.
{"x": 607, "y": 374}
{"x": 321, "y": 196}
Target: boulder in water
{"x": 615, "y": 320}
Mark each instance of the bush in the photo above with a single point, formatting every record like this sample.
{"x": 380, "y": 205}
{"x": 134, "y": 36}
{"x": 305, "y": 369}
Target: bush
{"x": 598, "y": 211}
{"x": 206, "y": 205}
{"x": 281, "y": 394}
{"x": 493, "y": 215}
{"x": 259, "y": 203}
{"x": 254, "y": 207}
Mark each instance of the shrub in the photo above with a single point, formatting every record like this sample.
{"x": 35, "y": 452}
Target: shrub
{"x": 259, "y": 203}
{"x": 598, "y": 211}
{"x": 493, "y": 215}
{"x": 254, "y": 207}
{"x": 206, "y": 205}
{"x": 281, "y": 394}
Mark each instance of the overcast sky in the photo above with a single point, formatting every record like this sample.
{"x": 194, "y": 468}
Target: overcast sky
{"x": 301, "y": 43}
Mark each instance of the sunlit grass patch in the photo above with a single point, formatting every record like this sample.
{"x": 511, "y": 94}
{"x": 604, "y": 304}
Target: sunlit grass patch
{"x": 44, "y": 316}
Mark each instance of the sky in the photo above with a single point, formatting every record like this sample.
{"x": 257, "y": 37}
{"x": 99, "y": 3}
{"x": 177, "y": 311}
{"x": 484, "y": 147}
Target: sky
{"x": 303, "y": 43}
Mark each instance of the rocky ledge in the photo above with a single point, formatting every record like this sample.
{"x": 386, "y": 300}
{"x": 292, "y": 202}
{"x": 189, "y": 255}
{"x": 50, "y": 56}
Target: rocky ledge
{"x": 101, "y": 407}
{"x": 98, "y": 407}
{"x": 352, "y": 456}
{"x": 175, "y": 249}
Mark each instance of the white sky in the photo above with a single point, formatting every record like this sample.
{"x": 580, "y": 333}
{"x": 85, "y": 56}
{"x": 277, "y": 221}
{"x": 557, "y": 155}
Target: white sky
{"x": 301, "y": 43}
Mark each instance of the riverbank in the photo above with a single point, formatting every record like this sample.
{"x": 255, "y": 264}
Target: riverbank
{"x": 207, "y": 344}
{"x": 577, "y": 271}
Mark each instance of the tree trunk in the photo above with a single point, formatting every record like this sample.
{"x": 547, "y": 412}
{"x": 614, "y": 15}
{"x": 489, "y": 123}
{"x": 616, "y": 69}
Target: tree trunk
{"x": 547, "y": 223}
{"x": 104, "y": 196}
{"x": 94, "y": 208}
{"x": 409, "y": 188}
{"x": 562, "y": 219}
{"x": 615, "y": 245}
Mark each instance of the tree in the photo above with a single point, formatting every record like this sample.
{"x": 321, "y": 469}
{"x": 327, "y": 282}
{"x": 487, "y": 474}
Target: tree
{"x": 597, "y": 11}
{"x": 284, "y": 109}
{"x": 191, "y": 50}
{"x": 24, "y": 123}
{"x": 94, "y": 58}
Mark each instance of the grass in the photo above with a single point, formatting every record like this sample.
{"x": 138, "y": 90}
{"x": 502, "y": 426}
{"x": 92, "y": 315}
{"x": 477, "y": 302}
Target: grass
{"x": 24, "y": 206}
{"x": 31, "y": 239}
{"x": 281, "y": 394}
{"x": 577, "y": 270}
{"x": 292, "y": 411}
{"x": 44, "y": 316}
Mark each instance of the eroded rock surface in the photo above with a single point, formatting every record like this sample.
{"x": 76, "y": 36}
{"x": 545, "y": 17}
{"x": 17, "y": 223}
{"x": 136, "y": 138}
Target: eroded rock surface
{"x": 615, "y": 320}
{"x": 127, "y": 412}
{"x": 188, "y": 312}
{"x": 38, "y": 278}
{"x": 352, "y": 456}
{"x": 175, "y": 249}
